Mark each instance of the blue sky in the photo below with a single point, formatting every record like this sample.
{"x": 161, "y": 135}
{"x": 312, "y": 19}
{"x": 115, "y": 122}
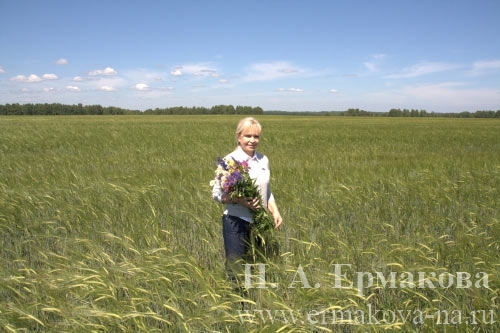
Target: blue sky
{"x": 441, "y": 56}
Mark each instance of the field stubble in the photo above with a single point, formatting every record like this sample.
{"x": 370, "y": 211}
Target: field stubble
{"x": 107, "y": 223}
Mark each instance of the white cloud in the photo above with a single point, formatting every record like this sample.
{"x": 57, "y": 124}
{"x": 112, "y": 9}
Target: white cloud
{"x": 2, "y": 70}
{"x": 486, "y": 64}
{"x": 107, "y": 88}
{"x": 22, "y": 78}
{"x": 288, "y": 70}
{"x": 442, "y": 97}
{"x": 291, "y": 89}
{"x": 176, "y": 72}
{"x": 333, "y": 91}
{"x": 373, "y": 64}
{"x": 33, "y": 78}
{"x": 372, "y": 67}
{"x": 270, "y": 71}
{"x": 422, "y": 69}
{"x": 141, "y": 87}
{"x": 456, "y": 97}
{"x": 431, "y": 91}
{"x": 48, "y": 89}
{"x": 484, "y": 67}
{"x": 195, "y": 69}
{"x": 101, "y": 82}
{"x": 49, "y": 77}
{"x": 105, "y": 71}
{"x": 378, "y": 56}
{"x": 18, "y": 78}
{"x": 72, "y": 88}
{"x": 61, "y": 61}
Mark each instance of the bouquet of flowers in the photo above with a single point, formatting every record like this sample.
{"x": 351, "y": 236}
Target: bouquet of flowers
{"x": 236, "y": 182}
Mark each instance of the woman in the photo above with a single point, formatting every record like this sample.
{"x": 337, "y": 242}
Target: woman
{"x": 238, "y": 212}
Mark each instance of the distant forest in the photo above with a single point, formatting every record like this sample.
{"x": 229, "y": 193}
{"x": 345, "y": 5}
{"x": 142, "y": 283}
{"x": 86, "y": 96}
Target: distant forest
{"x": 79, "y": 109}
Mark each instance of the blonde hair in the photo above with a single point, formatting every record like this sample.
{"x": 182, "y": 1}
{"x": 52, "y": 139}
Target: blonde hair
{"x": 246, "y": 123}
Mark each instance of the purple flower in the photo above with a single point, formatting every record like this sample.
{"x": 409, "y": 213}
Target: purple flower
{"x": 233, "y": 179}
{"x": 237, "y": 176}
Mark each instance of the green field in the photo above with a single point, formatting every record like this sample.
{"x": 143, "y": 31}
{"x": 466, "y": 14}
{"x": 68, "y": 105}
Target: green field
{"x": 107, "y": 225}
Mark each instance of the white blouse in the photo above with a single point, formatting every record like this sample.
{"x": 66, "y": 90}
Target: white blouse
{"x": 258, "y": 170}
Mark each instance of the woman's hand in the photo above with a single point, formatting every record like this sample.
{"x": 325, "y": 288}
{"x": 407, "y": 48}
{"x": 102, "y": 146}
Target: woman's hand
{"x": 251, "y": 203}
{"x": 273, "y": 209}
{"x": 277, "y": 220}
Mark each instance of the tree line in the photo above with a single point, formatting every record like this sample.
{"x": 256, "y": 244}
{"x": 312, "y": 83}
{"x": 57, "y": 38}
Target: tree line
{"x": 424, "y": 113}
{"x": 61, "y": 109}
{"x": 392, "y": 113}
{"x": 217, "y": 109}
{"x": 79, "y": 109}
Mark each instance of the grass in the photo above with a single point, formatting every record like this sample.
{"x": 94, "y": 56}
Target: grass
{"x": 107, "y": 224}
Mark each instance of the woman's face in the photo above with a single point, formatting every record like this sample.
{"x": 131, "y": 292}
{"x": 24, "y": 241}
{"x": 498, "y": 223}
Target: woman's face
{"x": 249, "y": 140}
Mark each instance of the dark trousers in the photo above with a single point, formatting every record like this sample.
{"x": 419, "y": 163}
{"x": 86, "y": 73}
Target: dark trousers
{"x": 236, "y": 234}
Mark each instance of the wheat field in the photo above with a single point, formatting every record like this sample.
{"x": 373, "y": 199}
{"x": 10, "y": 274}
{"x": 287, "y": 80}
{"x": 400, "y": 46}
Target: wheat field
{"x": 107, "y": 225}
